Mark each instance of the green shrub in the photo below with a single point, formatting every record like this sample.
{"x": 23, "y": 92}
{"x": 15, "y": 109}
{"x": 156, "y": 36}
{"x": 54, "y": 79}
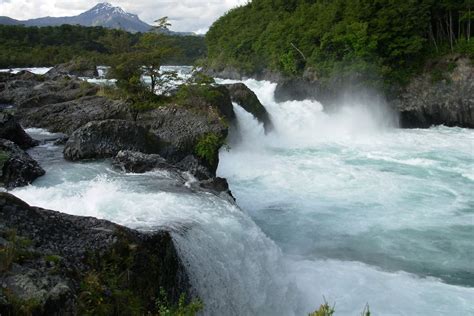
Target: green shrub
{"x": 164, "y": 308}
{"x": 208, "y": 146}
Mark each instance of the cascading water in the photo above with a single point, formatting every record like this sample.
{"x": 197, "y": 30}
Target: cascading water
{"x": 363, "y": 212}
{"x": 342, "y": 206}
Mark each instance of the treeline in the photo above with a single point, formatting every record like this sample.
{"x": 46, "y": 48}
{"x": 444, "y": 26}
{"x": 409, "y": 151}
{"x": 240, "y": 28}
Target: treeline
{"x": 47, "y": 46}
{"x": 389, "y": 39}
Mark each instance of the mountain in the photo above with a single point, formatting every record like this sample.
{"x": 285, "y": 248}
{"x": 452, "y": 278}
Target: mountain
{"x": 103, "y": 14}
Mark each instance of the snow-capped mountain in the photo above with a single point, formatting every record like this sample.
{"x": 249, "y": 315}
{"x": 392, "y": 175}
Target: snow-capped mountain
{"x": 103, "y": 14}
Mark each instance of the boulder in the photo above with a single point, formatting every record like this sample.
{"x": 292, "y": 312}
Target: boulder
{"x": 104, "y": 139}
{"x": 181, "y": 128}
{"x": 11, "y": 130}
{"x": 60, "y": 264}
{"x": 17, "y": 168}
{"x": 442, "y": 95}
{"x": 248, "y": 100}
{"x": 216, "y": 185}
{"x": 66, "y": 117}
{"x": 196, "y": 166}
{"x": 37, "y": 91}
{"x": 137, "y": 162}
{"x": 79, "y": 68}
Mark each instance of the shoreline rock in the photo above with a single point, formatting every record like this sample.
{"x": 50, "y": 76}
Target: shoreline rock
{"x": 11, "y": 130}
{"x": 104, "y": 139}
{"x": 17, "y": 168}
{"x": 447, "y": 100}
{"x": 67, "y": 265}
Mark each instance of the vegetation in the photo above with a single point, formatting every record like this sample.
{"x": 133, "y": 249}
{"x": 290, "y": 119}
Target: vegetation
{"x": 4, "y": 156}
{"x": 375, "y": 38}
{"x": 22, "y": 46}
{"x": 113, "y": 288}
{"x": 208, "y": 147}
{"x": 327, "y": 310}
{"x": 15, "y": 250}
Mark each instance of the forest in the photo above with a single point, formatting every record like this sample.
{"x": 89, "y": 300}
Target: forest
{"x": 22, "y": 46}
{"x": 389, "y": 39}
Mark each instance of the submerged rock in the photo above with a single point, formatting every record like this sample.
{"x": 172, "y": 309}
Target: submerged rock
{"x": 137, "y": 162}
{"x": 248, "y": 100}
{"x": 66, "y": 117}
{"x": 104, "y": 139}
{"x": 443, "y": 94}
{"x": 60, "y": 264}
{"x": 17, "y": 168}
{"x": 11, "y": 130}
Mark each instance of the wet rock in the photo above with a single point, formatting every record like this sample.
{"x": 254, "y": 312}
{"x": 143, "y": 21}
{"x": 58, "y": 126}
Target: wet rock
{"x": 196, "y": 166}
{"x": 71, "y": 265}
{"x": 216, "y": 185}
{"x": 248, "y": 100}
{"x": 104, "y": 139}
{"x": 137, "y": 162}
{"x": 447, "y": 100}
{"x": 68, "y": 116}
{"x": 11, "y": 130}
{"x": 17, "y": 168}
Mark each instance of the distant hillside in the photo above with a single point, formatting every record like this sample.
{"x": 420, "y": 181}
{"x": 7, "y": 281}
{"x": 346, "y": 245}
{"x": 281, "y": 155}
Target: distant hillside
{"x": 103, "y": 14}
{"x": 323, "y": 39}
{"x": 25, "y": 46}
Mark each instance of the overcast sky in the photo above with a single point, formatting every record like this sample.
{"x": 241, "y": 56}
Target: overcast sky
{"x": 185, "y": 15}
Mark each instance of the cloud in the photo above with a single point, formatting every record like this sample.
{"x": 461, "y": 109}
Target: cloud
{"x": 184, "y": 15}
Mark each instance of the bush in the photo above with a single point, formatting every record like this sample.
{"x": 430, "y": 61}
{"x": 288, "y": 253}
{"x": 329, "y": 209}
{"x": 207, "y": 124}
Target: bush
{"x": 208, "y": 146}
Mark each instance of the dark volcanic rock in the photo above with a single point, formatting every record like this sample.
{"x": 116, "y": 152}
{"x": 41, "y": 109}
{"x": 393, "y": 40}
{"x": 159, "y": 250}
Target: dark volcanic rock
{"x": 448, "y": 100}
{"x": 137, "y": 162}
{"x": 248, "y": 100}
{"x": 69, "y": 265}
{"x": 103, "y": 139}
{"x": 68, "y": 116}
{"x": 11, "y": 130}
{"x": 197, "y": 167}
{"x": 181, "y": 128}
{"x": 216, "y": 185}
{"x": 79, "y": 68}
{"x": 17, "y": 168}
{"x": 37, "y": 91}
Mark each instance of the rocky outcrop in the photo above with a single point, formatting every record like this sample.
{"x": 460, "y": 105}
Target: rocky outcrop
{"x": 249, "y": 101}
{"x": 104, "y": 139}
{"x": 78, "y": 68}
{"x": 442, "y": 95}
{"x": 17, "y": 168}
{"x": 68, "y": 116}
{"x": 180, "y": 129}
{"x": 137, "y": 162}
{"x": 58, "y": 264}
{"x": 11, "y": 130}
{"x": 217, "y": 185}
{"x": 25, "y": 91}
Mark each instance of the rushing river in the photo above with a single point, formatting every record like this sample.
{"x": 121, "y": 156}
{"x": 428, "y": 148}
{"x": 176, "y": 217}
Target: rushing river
{"x": 342, "y": 206}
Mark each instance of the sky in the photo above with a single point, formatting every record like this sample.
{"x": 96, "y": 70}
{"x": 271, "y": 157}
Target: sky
{"x": 184, "y": 15}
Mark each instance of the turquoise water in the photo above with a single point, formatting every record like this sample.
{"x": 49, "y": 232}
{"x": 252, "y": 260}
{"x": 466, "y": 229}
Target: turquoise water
{"x": 342, "y": 189}
{"x": 342, "y": 206}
